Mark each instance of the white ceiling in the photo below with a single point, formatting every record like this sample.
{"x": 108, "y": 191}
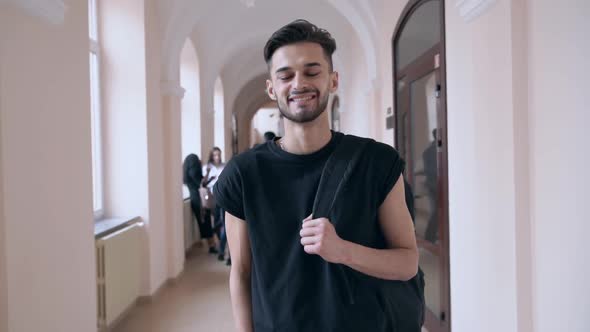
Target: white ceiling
{"x": 226, "y": 30}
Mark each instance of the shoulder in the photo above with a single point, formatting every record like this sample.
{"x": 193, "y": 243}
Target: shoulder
{"x": 382, "y": 162}
{"x": 375, "y": 149}
{"x": 241, "y": 162}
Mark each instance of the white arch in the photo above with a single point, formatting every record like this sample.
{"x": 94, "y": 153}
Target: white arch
{"x": 190, "y": 110}
{"x": 182, "y": 19}
{"x": 365, "y": 33}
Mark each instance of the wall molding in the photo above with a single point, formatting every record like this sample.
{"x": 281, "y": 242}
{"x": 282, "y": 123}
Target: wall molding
{"x": 52, "y": 11}
{"x": 472, "y": 9}
{"x": 172, "y": 88}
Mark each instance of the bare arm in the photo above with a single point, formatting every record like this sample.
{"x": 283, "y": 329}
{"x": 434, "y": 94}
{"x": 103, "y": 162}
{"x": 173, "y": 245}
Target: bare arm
{"x": 239, "y": 278}
{"x": 398, "y": 262}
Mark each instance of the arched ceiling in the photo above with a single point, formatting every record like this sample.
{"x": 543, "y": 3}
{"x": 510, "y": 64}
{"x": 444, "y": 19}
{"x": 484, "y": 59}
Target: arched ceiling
{"x": 229, "y": 37}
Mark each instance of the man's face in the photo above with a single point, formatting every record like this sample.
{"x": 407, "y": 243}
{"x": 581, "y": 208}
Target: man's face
{"x": 301, "y": 81}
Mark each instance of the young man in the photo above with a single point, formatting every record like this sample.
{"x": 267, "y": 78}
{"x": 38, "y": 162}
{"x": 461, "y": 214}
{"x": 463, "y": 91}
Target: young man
{"x": 292, "y": 273}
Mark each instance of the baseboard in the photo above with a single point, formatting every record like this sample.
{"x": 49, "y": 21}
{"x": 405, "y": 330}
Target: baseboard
{"x": 121, "y": 317}
{"x": 147, "y": 299}
{"x": 143, "y": 300}
{"x": 170, "y": 282}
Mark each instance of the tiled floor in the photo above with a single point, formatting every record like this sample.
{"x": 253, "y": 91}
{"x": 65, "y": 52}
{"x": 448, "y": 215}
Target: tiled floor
{"x": 199, "y": 301}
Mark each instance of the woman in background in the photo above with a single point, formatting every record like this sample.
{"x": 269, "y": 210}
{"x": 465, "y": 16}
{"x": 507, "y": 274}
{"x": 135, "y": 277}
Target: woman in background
{"x": 211, "y": 173}
{"x": 193, "y": 177}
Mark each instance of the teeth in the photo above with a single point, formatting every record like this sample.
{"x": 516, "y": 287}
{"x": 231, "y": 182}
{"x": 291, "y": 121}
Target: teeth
{"x": 302, "y": 98}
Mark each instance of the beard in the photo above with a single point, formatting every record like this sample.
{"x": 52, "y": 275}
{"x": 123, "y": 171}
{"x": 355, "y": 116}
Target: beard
{"x": 307, "y": 115}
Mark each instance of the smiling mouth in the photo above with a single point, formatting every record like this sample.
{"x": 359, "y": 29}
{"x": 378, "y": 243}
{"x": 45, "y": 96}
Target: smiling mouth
{"x": 302, "y": 98}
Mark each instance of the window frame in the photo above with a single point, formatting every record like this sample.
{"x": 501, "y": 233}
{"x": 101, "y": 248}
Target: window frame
{"x": 95, "y": 111}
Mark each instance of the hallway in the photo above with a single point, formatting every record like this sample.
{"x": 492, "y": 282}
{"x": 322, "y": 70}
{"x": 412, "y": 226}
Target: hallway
{"x": 102, "y": 100}
{"x": 199, "y": 301}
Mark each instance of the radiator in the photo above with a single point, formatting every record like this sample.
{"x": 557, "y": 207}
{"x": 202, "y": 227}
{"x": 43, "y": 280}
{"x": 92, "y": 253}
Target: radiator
{"x": 118, "y": 260}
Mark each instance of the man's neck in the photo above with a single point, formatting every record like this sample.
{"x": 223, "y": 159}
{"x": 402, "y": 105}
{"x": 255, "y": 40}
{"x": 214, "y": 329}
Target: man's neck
{"x": 306, "y": 138}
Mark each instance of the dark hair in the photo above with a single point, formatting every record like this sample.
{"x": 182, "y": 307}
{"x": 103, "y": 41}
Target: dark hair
{"x": 191, "y": 161}
{"x": 269, "y": 136}
{"x": 300, "y": 31}
{"x": 211, "y": 154}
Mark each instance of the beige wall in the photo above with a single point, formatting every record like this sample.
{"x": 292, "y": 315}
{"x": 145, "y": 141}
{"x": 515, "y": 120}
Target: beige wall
{"x": 173, "y": 183}
{"x": 358, "y": 113}
{"x": 207, "y": 92}
{"x": 481, "y": 170}
{"x": 124, "y": 104}
{"x": 559, "y": 117}
{"x": 523, "y": 228}
{"x": 46, "y": 161}
{"x": 219, "y": 118}
{"x": 123, "y": 73}
{"x": 3, "y": 286}
{"x": 156, "y": 246}
{"x": 191, "y": 113}
{"x": 227, "y": 120}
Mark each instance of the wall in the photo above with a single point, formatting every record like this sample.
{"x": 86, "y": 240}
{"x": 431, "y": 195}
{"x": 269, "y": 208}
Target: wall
{"x": 191, "y": 113}
{"x": 171, "y": 105}
{"x": 481, "y": 170}
{"x": 558, "y": 63}
{"x": 3, "y": 281}
{"x": 219, "y": 118}
{"x": 191, "y": 230}
{"x": 522, "y": 166}
{"x": 227, "y": 123}
{"x": 124, "y": 104}
{"x": 387, "y": 16}
{"x": 46, "y": 161}
{"x": 249, "y": 100}
{"x": 207, "y": 76}
{"x": 155, "y": 246}
{"x": 358, "y": 109}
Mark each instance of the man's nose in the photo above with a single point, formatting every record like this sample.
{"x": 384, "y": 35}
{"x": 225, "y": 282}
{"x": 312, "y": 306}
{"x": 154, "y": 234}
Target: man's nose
{"x": 300, "y": 82}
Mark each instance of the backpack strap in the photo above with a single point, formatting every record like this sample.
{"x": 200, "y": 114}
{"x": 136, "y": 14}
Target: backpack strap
{"x": 336, "y": 172}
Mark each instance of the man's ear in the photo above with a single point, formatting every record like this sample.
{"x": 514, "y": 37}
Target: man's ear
{"x": 334, "y": 81}
{"x": 270, "y": 90}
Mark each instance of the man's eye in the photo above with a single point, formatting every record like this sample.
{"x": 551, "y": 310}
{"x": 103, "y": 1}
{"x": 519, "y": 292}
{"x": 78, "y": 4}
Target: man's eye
{"x": 313, "y": 74}
{"x": 285, "y": 78}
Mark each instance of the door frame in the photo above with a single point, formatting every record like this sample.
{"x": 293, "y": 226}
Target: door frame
{"x": 433, "y": 322}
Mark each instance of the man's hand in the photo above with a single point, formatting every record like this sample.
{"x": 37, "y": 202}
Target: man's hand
{"x": 319, "y": 237}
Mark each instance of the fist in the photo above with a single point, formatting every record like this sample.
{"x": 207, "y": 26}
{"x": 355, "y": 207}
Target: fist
{"x": 318, "y": 237}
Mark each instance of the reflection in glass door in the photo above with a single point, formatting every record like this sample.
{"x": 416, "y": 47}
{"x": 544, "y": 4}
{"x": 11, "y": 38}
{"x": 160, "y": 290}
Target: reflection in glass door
{"x": 420, "y": 124}
{"x": 424, "y": 181}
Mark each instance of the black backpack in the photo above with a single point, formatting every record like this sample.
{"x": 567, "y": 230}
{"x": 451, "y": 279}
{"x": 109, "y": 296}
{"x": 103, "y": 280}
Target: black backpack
{"x": 335, "y": 174}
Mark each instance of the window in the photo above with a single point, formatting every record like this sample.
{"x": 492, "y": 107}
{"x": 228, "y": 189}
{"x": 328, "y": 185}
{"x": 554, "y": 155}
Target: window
{"x": 94, "y": 47}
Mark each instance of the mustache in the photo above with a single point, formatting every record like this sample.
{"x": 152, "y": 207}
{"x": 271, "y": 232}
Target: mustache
{"x": 303, "y": 91}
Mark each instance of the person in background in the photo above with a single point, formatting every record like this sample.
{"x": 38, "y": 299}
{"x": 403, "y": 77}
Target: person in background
{"x": 192, "y": 178}
{"x": 211, "y": 173}
{"x": 429, "y": 160}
